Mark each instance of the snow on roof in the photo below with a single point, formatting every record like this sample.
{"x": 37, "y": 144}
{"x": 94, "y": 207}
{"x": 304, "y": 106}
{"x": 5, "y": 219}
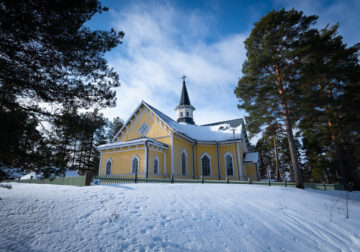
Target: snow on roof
{"x": 251, "y": 157}
{"x": 131, "y": 142}
{"x": 209, "y": 133}
{"x": 31, "y": 175}
{"x": 218, "y": 132}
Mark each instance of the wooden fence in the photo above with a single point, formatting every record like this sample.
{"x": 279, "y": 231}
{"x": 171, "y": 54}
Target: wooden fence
{"x": 74, "y": 181}
{"x": 135, "y": 179}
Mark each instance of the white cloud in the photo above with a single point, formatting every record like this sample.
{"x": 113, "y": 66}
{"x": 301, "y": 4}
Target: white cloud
{"x": 161, "y": 44}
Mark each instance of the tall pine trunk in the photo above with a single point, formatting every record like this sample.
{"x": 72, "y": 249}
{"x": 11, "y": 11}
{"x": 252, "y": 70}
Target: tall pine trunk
{"x": 338, "y": 153}
{"x": 278, "y": 173}
{"x": 289, "y": 133}
{"x": 293, "y": 150}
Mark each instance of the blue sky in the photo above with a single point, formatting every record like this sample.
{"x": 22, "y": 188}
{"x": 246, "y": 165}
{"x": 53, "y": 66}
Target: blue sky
{"x": 201, "y": 39}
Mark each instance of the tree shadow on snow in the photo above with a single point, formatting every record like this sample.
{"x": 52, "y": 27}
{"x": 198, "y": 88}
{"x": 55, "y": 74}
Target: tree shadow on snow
{"x": 118, "y": 186}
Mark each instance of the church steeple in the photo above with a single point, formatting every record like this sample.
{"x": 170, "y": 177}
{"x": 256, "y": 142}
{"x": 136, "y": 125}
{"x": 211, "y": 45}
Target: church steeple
{"x": 185, "y": 109}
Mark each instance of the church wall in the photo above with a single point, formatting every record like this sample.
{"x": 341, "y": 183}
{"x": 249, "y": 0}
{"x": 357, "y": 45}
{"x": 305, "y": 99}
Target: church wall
{"x": 251, "y": 171}
{"x": 166, "y": 140}
{"x": 160, "y": 155}
{"x": 121, "y": 160}
{"x": 223, "y": 149}
{"x": 179, "y": 146}
{"x": 243, "y": 149}
{"x": 210, "y": 150}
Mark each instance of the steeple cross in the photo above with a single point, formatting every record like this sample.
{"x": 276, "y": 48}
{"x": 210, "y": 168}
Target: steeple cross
{"x": 183, "y": 77}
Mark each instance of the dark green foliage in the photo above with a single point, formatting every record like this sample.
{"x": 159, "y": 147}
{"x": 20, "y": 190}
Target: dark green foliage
{"x": 48, "y": 55}
{"x": 20, "y": 140}
{"x": 77, "y": 135}
{"x": 329, "y": 107}
{"x": 268, "y": 89}
{"x": 309, "y": 78}
{"x": 266, "y": 148}
{"x": 114, "y": 127}
{"x": 49, "y": 62}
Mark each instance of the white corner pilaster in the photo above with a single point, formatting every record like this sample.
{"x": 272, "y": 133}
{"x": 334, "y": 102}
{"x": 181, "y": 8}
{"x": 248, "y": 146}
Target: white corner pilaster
{"x": 100, "y": 164}
{"x": 172, "y": 153}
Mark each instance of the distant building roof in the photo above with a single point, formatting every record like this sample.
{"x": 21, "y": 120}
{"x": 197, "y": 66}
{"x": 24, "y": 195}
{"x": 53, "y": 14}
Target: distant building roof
{"x": 251, "y": 157}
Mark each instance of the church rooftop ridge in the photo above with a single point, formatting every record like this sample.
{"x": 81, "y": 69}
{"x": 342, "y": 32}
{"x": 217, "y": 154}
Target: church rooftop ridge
{"x": 211, "y": 133}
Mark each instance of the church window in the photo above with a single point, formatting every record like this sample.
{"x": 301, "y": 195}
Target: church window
{"x": 144, "y": 129}
{"x": 135, "y": 164}
{"x": 156, "y": 165}
{"x": 183, "y": 163}
{"x": 229, "y": 165}
{"x": 108, "y": 167}
{"x": 187, "y": 114}
{"x": 205, "y": 165}
{"x": 181, "y": 114}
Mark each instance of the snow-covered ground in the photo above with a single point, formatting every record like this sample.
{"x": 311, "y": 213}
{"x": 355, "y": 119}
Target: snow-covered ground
{"x": 176, "y": 217}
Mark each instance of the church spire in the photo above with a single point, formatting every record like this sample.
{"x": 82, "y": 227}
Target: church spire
{"x": 185, "y": 109}
{"x": 184, "y": 98}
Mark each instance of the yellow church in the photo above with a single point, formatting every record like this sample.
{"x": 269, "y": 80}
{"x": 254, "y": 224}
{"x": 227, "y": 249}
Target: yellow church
{"x": 153, "y": 145}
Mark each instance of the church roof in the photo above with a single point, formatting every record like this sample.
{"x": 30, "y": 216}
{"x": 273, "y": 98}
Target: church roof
{"x": 232, "y": 123}
{"x": 131, "y": 143}
{"x": 184, "y": 98}
{"x": 216, "y": 132}
{"x": 221, "y": 131}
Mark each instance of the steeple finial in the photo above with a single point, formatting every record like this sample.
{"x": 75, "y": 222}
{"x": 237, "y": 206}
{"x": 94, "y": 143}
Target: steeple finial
{"x": 184, "y": 77}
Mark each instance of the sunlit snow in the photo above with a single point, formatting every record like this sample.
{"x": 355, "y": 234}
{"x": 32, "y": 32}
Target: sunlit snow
{"x": 177, "y": 217}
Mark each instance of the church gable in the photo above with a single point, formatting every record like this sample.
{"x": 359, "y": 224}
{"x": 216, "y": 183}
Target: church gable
{"x": 142, "y": 123}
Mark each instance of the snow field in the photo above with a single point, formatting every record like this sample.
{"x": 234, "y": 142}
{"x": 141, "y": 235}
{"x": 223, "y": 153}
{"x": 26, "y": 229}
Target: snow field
{"x": 176, "y": 217}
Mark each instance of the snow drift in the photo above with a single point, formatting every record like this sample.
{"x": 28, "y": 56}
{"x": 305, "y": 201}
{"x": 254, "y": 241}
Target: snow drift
{"x": 176, "y": 217}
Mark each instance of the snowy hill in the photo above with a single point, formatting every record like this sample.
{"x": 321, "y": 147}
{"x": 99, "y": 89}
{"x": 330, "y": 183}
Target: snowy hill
{"x": 176, "y": 217}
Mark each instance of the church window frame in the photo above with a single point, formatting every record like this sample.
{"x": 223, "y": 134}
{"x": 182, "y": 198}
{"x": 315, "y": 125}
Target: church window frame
{"x": 227, "y": 163}
{"x": 202, "y": 159}
{"x": 156, "y": 165}
{"x": 132, "y": 170}
{"x": 181, "y": 114}
{"x": 108, "y": 167}
{"x": 183, "y": 157}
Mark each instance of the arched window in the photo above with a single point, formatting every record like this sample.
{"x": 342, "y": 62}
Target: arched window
{"x": 108, "y": 167}
{"x": 229, "y": 165}
{"x": 156, "y": 165}
{"x": 135, "y": 164}
{"x": 181, "y": 114}
{"x": 205, "y": 165}
{"x": 183, "y": 163}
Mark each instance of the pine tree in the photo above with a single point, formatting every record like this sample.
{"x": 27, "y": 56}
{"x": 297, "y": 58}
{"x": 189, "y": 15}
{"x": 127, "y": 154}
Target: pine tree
{"x": 114, "y": 127}
{"x": 327, "y": 116}
{"x": 20, "y": 140}
{"x": 267, "y": 90}
{"x": 77, "y": 135}
{"x": 49, "y": 56}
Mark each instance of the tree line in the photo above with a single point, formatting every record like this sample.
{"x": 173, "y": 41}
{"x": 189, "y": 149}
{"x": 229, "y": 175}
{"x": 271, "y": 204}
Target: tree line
{"x": 301, "y": 89}
{"x": 54, "y": 80}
